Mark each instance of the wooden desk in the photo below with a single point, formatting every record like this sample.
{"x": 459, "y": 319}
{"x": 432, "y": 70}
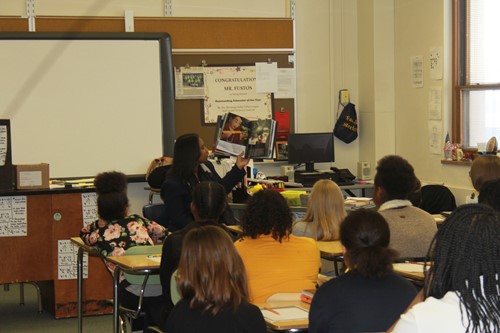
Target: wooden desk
{"x": 52, "y": 215}
{"x": 82, "y": 247}
{"x": 330, "y": 250}
{"x": 292, "y": 325}
{"x": 417, "y": 274}
{"x": 133, "y": 264}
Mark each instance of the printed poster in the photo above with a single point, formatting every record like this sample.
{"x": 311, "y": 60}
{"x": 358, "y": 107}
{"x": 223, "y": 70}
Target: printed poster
{"x": 233, "y": 89}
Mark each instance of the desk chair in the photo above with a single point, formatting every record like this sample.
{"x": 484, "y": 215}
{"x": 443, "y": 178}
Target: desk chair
{"x": 175, "y": 293}
{"x": 142, "y": 280}
{"x": 154, "y": 212}
{"x": 436, "y": 199}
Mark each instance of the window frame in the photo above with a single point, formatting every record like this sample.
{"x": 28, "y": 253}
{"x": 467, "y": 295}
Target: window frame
{"x": 460, "y": 68}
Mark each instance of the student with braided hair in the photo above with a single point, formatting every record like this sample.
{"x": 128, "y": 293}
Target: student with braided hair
{"x": 462, "y": 288}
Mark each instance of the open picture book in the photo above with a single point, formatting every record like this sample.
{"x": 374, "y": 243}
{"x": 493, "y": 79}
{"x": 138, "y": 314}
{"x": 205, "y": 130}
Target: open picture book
{"x": 235, "y": 134}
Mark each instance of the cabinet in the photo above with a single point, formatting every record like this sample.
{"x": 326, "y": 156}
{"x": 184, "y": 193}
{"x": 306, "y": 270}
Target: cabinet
{"x": 53, "y": 215}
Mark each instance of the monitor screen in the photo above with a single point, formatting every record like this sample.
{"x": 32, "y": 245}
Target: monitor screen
{"x": 310, "y": 148}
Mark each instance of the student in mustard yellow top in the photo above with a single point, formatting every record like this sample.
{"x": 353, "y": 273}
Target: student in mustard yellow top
{"x": 276, "y": 261}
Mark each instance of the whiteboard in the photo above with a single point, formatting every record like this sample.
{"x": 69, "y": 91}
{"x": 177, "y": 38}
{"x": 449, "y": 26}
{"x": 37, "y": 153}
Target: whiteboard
{"x": 85, "y": 104}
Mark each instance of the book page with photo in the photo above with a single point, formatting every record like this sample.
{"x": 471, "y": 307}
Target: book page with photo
{"x": 255, "y": 137}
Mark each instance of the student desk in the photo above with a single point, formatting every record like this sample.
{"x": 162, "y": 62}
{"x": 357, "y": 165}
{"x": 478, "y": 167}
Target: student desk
{"x": 82, "y": 247}
{"x": 417, "y": 274}
{"x": 133, "y": 264}
{"x": 51, "y": 216}
{"x": 291, "y": 325}
{"x": 346, "y": 188}
{"x": 330, "y": 250}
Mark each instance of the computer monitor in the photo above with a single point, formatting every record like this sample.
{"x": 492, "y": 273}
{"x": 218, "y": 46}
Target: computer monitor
{"x": 310, "y": 148}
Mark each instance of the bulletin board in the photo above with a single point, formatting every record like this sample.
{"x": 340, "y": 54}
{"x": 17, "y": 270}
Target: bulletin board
{"x": 189, "y": 112}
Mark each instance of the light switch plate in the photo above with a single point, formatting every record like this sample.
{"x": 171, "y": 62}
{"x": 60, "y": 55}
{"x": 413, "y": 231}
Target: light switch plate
{"x": 344, "y": 96}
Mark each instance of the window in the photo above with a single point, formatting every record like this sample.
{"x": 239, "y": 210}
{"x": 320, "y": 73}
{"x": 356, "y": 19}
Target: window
{"x": 476, "y": 71}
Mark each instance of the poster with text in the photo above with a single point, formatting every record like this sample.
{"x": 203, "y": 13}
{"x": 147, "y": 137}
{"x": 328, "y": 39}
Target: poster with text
{"x": 232, "y": 89}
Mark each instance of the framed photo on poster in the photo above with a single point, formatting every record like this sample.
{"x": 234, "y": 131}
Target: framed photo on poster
{"x": 281, "y": 150}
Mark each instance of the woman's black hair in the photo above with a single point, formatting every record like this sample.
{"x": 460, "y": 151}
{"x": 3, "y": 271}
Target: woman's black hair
{"x": 110, "y": 182}
{"x": 397, "y": 177}
{"x": 366, "y": 237}
{"x": 465, "y": 259}
{"x": 209, "y": 200}
{"x": 186, "y": 155}
{"x": 112, "y": 200}
{"x": 267, "y": 212}
{"x": 490, "y": 194}
{"x": 112, "y": 206}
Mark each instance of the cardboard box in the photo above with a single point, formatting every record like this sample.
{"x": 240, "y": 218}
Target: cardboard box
{"x": 32, "y": 176}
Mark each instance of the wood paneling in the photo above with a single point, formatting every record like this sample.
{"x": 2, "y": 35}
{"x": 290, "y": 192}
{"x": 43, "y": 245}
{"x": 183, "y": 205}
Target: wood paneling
{"x": 187, "y": 33}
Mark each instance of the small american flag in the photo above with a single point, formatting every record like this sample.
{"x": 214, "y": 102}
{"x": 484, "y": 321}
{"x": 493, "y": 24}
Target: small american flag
{"x": 447, "y": 143}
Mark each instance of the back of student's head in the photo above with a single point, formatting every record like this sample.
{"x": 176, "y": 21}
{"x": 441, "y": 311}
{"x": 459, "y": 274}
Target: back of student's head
{"x": 211, "y": 272}
{"x": 396, "y": 176}
{"x": 209, "y": 202}
{"x": 186, "y": 155}
{"x": 326, "y": 209}
{"x": 490, "y": 194}
{"x": 112, "y": 200}
{"x": 484, "y": 168}
{"x": 465, "y": 259}
{"x": 112, "y": 206}
{"x": 110, "y": 182}
{"x": 365, "y": 235}
{"x": 267, "y": 212}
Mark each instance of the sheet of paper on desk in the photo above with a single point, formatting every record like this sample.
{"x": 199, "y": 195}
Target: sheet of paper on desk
{"x": 409, "y": 267}
{"x": 285, "y": 313}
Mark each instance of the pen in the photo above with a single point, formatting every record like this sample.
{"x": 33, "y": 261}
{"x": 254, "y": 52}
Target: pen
{"x": 271, "y": 310}
{"x": 154, "y": 256}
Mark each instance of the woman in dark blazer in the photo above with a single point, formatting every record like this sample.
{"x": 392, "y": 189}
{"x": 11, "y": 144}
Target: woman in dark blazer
{"x": 191, "y": 166}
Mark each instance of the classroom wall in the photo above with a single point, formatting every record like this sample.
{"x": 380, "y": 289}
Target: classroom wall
{"x": 361, "y": 45}
{"x": 326, "y": 61}
{"x": 420, "y": 25}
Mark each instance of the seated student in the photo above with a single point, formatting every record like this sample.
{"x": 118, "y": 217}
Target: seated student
{"x": 484, "y": 168}
{"x": 190, "y": 166}
{"x": 412, "y": 229}
{"x": 369, "y": 297}
{"x": 325, "y": 211}
{"x": 490, "y": 194}
{"x": 276, "y": 261}
{"x": 461, "y": 290}
{"x": 213, "y": 285}
{"x": 208, "y": 205}
{"x": 115, "y": 231}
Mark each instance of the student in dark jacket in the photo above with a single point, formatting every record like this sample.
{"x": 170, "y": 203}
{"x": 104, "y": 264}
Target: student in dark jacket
{"x": 214, "y": 287}
{"x": 191, "y": 166}
{"x": 370, "y": 296}
{"x": 208, "y": 205}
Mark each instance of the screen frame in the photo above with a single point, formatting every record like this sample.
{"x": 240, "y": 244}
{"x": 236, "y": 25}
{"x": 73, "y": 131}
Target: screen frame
{"x": 296, "y": 156}
{"x": 165, "y": 64}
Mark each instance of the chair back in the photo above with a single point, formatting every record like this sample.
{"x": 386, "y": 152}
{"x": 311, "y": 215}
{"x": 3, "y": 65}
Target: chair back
{"x": 175, "y": 293}
{"x": 437, "y": 199}
{"x": 154, "y": 212}
{"x": 147, "y": 250}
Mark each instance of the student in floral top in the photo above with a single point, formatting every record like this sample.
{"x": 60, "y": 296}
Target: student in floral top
{"x": 115, "y": 231}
